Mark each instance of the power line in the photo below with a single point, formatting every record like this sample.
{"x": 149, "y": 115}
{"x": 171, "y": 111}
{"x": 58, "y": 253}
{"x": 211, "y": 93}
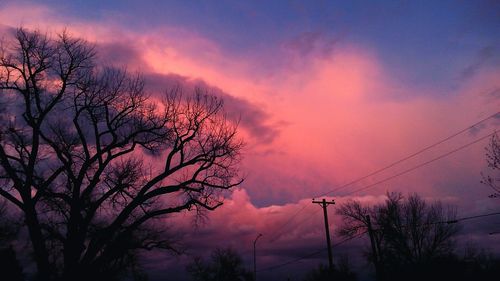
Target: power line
{"x": 292, "y": 218}
{"x": 402, "y": 173}
{"x": 362, "y": 233}
{"x": 470, "y": 218}
{"x": 282, "y": 227}
{"x": 310, "y": 254}
{"x": 409, "y": 156}
{"x": 392, "y": 177}
{"x": 292, "y": 261}
{"x": 273, "y": 237}
{"x": 422, "y": 164}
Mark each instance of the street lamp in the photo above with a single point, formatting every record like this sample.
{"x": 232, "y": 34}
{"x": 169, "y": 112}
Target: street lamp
{"x": 254, "y": 258}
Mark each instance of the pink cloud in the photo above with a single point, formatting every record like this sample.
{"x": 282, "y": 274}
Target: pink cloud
{"x": 340, "y": 115}
{"x": 343, "y": 112}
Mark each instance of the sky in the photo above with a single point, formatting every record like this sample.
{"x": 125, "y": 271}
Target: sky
{"x": 327, "y": 92}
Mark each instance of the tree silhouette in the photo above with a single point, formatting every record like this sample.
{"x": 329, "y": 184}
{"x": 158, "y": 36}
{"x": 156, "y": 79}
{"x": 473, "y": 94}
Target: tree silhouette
{"x": 9, "y": 265}
{"x": 93, "y": 162}
{"x": 409, "y": 234}
{"x": 225, "y": 265}
{"x": 340, "y": 272}
{"x": 8, "y": 226}
{"x": 493, "y": 159}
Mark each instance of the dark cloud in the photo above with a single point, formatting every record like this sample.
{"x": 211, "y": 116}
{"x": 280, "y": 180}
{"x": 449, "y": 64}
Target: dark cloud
{"x": 305, "y": 42}
{"x": 251, "y": 117}
{"x": 495, "y": 94}
{"x": 481, "y": 58}
{"x": 120, "y": 54}
{"x": 312, "y": 42}
{"x": 7, "y": 30}
{"x": 491, "y": 123}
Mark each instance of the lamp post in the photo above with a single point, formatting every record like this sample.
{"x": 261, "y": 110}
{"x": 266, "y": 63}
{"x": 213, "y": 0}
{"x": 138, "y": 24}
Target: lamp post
{"x": 254, "y": 258}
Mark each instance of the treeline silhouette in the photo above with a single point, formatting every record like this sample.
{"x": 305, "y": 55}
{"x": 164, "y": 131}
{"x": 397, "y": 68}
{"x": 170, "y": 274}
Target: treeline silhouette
{"x": 225, "y": 264}
{"x": 412, "y": 239}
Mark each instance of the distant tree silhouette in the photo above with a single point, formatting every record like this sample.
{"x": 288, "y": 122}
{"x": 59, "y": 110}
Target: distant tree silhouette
{"x": 409, "y": 234}
{"x": 93, "y": 162}
{"x": 8, "y": 226}
{"x": 225, "y": 265}
{"x": 493, "y": 159}
{"x": 10, "y": 269}
{"x": 340, "y": 272}
{"x": 476, "y": 265}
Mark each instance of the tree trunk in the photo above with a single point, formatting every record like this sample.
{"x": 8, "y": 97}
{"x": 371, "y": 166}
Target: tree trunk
{"x": 40, "y": 251}
{"x": 73, "y": 247}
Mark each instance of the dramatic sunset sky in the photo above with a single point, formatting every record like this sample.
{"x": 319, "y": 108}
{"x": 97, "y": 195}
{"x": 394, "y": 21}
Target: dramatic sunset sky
{"x": 327, "y": 92}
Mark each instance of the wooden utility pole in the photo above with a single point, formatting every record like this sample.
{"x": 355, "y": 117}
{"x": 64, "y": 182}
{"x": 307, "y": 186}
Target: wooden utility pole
{"x": 376, "y": 260}
{"x": 324, "y": 204}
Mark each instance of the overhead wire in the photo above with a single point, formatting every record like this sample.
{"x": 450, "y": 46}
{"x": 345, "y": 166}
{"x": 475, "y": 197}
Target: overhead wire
{"x": 410, "y": 156}
{"x": 470, "y": 218}
{"x": 273, "y": 236}
{"x": 281, "y": 228}
{"x": 364, "y": 232}
{"x": 311, "y": 254}
{"x": 422, "y": 164}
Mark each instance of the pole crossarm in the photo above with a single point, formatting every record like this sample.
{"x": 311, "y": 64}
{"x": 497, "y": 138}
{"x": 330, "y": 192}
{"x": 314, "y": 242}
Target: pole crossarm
{"x": 323, "y": 201}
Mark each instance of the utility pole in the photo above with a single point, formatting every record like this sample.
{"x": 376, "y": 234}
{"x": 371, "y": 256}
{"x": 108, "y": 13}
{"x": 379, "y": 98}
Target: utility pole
{"x": 324, "y": 204}
{"x": 374, "y": 249}
{"x": 255, "y": 258}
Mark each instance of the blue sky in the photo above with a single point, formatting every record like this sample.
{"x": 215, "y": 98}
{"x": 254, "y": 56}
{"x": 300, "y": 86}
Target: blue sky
{"x": 431, "y": 42}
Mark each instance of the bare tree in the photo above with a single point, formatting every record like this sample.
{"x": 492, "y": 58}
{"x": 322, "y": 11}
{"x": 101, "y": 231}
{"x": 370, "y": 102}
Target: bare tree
{"x": 407, "y": 233}
{"x": 493, "y": 159}
{"x": 93, "y": 162}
